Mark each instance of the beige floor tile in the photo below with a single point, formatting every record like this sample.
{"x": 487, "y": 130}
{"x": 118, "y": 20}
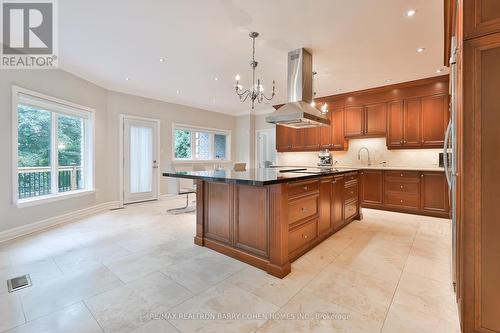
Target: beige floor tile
{"x": 272, "y": 289}
{"x": 428, "y": 268}
{"x": 75, "y": 319}
{"x": 405, "y": 319}
{"x": 320, "y": 315}
{"x": 39, "y": 271}
{"x": 203, "y": 271}
{"x": 11, "y": 311}
{"x": 356, "y": 291}
{"x": 130, "y": 306}
{"x": 136, "y": 265}
{"x": 156, "y": 326}
{"x": 55, "y": 294}
{"x": 88, "y": 258}
{"x": 225, "y": 300}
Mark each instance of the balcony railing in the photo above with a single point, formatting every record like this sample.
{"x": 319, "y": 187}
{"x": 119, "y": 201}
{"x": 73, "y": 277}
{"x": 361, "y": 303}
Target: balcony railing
{"x": 36, "y": 181}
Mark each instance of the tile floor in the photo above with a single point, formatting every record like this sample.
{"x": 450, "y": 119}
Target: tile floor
{"x": 137, "y": 270}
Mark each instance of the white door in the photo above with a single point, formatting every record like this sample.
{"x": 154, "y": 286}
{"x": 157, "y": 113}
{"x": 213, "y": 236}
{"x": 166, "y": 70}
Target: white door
{"x": 140, "y": 160}
{"x": 265, "y": 148}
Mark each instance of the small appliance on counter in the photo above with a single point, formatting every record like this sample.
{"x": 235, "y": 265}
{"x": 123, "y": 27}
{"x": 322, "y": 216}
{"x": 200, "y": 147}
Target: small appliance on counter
{"x": 325, "y": 159}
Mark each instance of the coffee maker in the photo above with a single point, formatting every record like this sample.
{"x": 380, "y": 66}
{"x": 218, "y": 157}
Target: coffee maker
{"x": 325, "y": 159}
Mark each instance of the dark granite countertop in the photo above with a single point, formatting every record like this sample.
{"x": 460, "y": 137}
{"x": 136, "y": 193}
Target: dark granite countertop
{"x": 257, "y": 177}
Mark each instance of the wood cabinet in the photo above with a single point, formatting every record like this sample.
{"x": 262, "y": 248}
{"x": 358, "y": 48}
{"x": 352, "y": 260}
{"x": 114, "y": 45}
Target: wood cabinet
{"x": 332, "y": 137}
{"x": 434, "y": 192}
{"x": 319, "y": 207}
{"x": 283, "y": 139}
{"x": 435, "y": 117}
{"x": 416, "y": 192}
{"x": 368, "y": 120}
{"x": 311, "y": 137}
{"x": 354, "y": 121}
{"x": 481, "y": 17}
{"x": 337, "y": 202}
{"x": 372, "y": 187}
{"x": 479, "y": 227}
{"x": 418, "y": 122}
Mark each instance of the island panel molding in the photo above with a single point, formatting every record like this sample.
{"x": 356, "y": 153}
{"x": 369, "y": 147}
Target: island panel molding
{"x": 268, "y": 219}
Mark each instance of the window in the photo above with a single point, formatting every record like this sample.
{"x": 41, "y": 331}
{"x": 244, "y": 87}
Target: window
{"x": 200, "y": 144}
{"x": 53, "y": 147}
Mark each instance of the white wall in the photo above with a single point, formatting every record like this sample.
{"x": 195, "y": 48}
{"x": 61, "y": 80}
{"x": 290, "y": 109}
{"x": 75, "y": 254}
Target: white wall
{"x": 108, "y": 106}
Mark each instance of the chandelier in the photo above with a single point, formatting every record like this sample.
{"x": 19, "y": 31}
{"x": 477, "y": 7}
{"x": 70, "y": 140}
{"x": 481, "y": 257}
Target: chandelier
{"x": 256, "y": 93}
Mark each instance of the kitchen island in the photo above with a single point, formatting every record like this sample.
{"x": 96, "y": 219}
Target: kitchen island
{"x": 270, "y": 217}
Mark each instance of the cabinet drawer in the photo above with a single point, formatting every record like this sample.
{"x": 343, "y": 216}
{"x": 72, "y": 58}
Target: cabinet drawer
{"x": 303, "y": 235}
{"x": 302, "y": 188}
{"x": 402, "y": 200}
{"x": 351, "y": 177}
{"x": 402, "y": 174}
{"x": 403, "y": 186}
{"x": 303, "y": 208}
{"x": 350, "y": 209}
{"x": 351, "y": 192}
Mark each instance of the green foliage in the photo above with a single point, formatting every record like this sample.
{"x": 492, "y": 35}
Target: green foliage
{"x": 33, "y": 137}
{"x": 182, "y": 144}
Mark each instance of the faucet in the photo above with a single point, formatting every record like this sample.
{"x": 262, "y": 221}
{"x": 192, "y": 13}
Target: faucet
{"x": 359, "y": 155}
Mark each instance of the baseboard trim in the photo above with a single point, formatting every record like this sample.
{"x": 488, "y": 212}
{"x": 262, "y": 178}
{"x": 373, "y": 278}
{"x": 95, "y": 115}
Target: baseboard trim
{"x": 56, "y": 220}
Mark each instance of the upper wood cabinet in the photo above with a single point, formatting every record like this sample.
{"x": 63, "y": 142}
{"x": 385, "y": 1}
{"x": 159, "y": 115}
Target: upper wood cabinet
{"x": 283, "y": 142}
{"x": 395, "y": 128}
{"x": 311, "y": 137}
{"x": 435, "y": 117}
{"x": 481, "y": 17}
{"x": 368, "y": 120}
{"x": 354, "y": 121}
{"x": 411, "y": 115}
{"x": 375, "y": 119}
{"x": 412, "y": 123}
{"x": 417, "y": 122}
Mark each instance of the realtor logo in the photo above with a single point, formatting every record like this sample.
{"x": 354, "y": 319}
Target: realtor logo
{"x": 28, "y": 34}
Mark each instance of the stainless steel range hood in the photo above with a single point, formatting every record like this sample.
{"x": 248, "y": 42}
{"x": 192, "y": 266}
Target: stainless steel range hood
{"x": 298, "y": 112}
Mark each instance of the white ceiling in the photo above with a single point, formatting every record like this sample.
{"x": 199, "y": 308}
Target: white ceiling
{"x": 356, "y": 44}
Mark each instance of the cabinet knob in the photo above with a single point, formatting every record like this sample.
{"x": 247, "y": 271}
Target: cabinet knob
{"x": 401, "y": 141}
{"x": 352, "y": 192}
{"x": 401, "y": 200}
{"x": 402, "y": 186}
{"x": 422, "y": 176}
{"x": 401, "y": 175}
{"x": 305, "y": 236}
{"x": 304, "y": 210}
{"x": 305, "y": 188}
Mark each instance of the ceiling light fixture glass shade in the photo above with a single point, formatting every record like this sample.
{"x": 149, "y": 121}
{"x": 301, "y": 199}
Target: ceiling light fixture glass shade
{"x": 256, "y": 93}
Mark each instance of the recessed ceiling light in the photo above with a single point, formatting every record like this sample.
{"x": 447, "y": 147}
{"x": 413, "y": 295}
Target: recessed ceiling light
{"x": 162, "y": 59}
{"x": 126, "y": 79}
{"x": 420, "y": 49}
{"x": 411, "y": 12}
{"x": 178, "y": 92}
{"x": 216, "y": 79}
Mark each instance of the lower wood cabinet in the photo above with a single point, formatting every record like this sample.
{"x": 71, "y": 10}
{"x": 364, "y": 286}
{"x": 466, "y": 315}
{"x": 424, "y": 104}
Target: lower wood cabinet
{"x": 416, "y": 192}
{"x": 318, "y": 208}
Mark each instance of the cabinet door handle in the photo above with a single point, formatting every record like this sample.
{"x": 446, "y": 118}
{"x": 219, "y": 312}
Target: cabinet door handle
{"x": 303, "y": 210}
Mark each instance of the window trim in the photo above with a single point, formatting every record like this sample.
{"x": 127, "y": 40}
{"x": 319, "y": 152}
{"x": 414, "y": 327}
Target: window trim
{"x": 89, "y": 147}
{"x": 191, "y": 128}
